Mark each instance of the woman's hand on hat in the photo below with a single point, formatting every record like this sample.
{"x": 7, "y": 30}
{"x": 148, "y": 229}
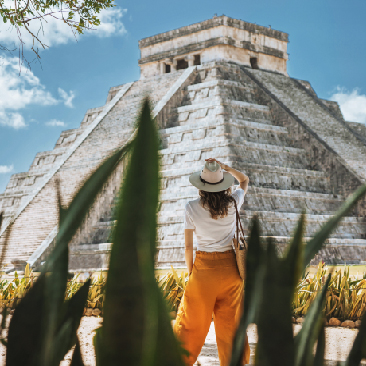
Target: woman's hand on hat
{"x": 222, "y": 166}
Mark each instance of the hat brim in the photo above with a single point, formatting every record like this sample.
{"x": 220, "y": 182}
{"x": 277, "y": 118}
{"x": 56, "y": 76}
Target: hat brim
{"x": 195, "y": 180}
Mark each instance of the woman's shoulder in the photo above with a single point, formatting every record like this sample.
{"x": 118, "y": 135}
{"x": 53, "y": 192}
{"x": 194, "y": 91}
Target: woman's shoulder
{"x": 238, "y": 195}
{"x": 237, "y": 190}
{"x": 193, "y": 203}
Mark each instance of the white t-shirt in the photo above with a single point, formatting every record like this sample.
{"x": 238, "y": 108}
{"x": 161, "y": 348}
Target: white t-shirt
{"x": 213, "y": 235}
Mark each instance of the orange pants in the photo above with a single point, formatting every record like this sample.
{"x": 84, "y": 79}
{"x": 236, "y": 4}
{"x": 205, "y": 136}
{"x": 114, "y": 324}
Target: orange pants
{"x": 214, "y": 287}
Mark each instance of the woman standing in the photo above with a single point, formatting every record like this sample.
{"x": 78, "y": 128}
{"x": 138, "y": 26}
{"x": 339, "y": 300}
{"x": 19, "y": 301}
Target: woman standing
{"x": 214, "y": 286}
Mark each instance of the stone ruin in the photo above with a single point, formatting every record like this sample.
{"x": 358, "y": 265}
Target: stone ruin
{"x": 220, "y": 89}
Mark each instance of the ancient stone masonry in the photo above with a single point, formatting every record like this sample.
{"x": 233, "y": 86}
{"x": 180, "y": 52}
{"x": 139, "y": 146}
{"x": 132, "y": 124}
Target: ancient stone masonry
{"x": 219, "y": 89}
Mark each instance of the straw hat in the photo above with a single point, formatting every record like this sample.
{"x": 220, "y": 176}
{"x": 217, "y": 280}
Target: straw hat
{"x": 211, "y": 178}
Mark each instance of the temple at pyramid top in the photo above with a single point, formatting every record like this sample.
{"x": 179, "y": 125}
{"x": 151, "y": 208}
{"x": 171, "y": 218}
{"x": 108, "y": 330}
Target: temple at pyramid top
{"x": 220, "y": 38}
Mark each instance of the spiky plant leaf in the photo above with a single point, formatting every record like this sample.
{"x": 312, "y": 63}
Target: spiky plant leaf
{"x": 77, "y": 360}
{"x": 136, "y": 324}
{"x": 320, "y": 348}
{"x": 314, "y": 245}
{"x": 254, "y": 259}
{"x": 39, "y": 319}
{"x": 309, "y": 333}
{"x": 358, "y": 351}
{"x": 26, "y": 328}
{"x": 98, "y": 346}
{"x": 275, "y": 337}
{"x": 83, "y": 200}
{"x": 293, "y": 258}
{"x": 74, "y": 309}
{"x": 247, "y": 318}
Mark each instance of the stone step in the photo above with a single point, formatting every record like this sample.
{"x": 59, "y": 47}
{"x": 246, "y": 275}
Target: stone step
{"x": 279, "y": 240}
{"x": 214, "y": 107}
{"x": 67, "y": 137}
{"x": 233, "y": 90}
{"x": 219, "y": 82}
{"x": 318, "y": 119}
{"x": 269, "y": 176}
{"x": 234, "y": 130}
{"x": 247, "y": 151}
{"x": 174, "y": 200}
{"x": 219, "y": 101}
{"x": 210, "y": 124}
{"x": 274, "y": 224}
{"x": 334, "y": 251}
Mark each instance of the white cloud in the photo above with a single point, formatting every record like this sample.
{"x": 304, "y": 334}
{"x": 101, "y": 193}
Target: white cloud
{"x": 67, "y": 98}
{"x": 6, "y": 169}
{"x": 14, "y": 120}
{"x": 19, "y": 90}
{"x": 110, "y": 23}
{"x": 55, "y": 123}
{"x": 352, "y": 104}
{"x": 53, "y": 31}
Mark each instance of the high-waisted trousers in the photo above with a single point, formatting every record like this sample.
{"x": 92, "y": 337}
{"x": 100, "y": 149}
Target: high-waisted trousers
{"x": 214, "y": 289}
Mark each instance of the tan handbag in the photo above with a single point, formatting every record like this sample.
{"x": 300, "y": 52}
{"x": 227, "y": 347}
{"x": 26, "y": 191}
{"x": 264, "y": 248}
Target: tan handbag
{"x": 240, "y": 245}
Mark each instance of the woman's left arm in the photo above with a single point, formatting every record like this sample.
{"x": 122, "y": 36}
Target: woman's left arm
{"x": 188, "y": 239}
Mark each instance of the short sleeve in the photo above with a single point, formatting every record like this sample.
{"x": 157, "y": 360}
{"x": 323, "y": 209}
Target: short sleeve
{"x": 188, "y": 221}
{"x": 239, "y": 196}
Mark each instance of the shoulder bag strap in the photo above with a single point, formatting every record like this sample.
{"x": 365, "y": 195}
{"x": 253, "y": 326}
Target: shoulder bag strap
{"x": 238, "y": 222}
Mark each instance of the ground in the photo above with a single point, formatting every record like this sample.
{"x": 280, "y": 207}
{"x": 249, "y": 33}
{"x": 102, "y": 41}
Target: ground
{"x": 339, "y": 342}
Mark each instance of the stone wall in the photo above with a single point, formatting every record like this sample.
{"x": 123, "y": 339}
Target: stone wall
{"x": 220, "y": 38}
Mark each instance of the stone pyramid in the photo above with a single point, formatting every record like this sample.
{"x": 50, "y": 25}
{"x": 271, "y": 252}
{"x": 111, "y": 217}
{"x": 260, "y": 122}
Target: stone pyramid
{"x": 219, "y": 89}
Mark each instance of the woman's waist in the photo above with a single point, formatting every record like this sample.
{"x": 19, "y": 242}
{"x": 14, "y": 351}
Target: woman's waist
{"x": 216, "y": 255}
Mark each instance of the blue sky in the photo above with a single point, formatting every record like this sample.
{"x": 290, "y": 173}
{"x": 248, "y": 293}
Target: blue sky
{"x": 327, "y": 48}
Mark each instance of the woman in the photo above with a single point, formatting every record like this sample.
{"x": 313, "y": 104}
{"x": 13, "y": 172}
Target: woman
{"x": 214, "y": 286}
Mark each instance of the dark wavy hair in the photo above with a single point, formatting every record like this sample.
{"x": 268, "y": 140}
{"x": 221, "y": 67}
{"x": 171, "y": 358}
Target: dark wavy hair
{"x": 216, "y": 202}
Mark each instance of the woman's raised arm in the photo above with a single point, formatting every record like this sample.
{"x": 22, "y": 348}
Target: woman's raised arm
{"x": 239, "y": 176}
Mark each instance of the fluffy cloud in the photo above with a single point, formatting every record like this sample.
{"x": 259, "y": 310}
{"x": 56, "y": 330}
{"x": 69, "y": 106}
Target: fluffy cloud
{"x": 54, "y": 31}
{"x": 67, "y": 98}
{"x": 352, "y": 103}
{"x": 110, "y": 23}
{"x": 20, "y": 90}
{"x": 14, "y": 120}
{"x": 6, "y": 169}
{"x": 55, "y": 123}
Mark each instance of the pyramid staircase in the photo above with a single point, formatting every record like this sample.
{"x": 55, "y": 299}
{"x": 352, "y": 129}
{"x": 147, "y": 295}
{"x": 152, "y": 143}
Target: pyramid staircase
{"x": 220, "y": 110}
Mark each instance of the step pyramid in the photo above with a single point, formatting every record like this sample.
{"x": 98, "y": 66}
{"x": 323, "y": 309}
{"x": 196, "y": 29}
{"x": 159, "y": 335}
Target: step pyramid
{"x": 211, "y": 100}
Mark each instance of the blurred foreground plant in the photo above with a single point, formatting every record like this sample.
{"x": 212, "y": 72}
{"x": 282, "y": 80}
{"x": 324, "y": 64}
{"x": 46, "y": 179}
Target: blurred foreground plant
{"x": 43, "y": 327}
{"x": 269, "y": 293}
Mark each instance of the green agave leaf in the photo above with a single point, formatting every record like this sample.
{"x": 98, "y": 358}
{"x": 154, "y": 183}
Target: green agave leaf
{"x": 320, "y": 348}
{"x": 57, "y": 345}
{"x": 314, "y": 245}
{"x": 293, "y": 258}
{"x": 74, "y": 312}
{"x": 358, "y": 351}
{"x": 255, "y": 257}
{"x": 98, "y": 346}
{"x": 130, "y": 327}
{"x": 25, "y": 329}
{"x": 83, "y": 200}
{"x": 77, "y": 360}
{"x": 247, "y": 318}
{"x": 275, "y": 337}
{"x": 56, "y": 282}
{"x": 168, "y": 349}
{"x": 306, "y": 338}
{"x": 252, "y": 288}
